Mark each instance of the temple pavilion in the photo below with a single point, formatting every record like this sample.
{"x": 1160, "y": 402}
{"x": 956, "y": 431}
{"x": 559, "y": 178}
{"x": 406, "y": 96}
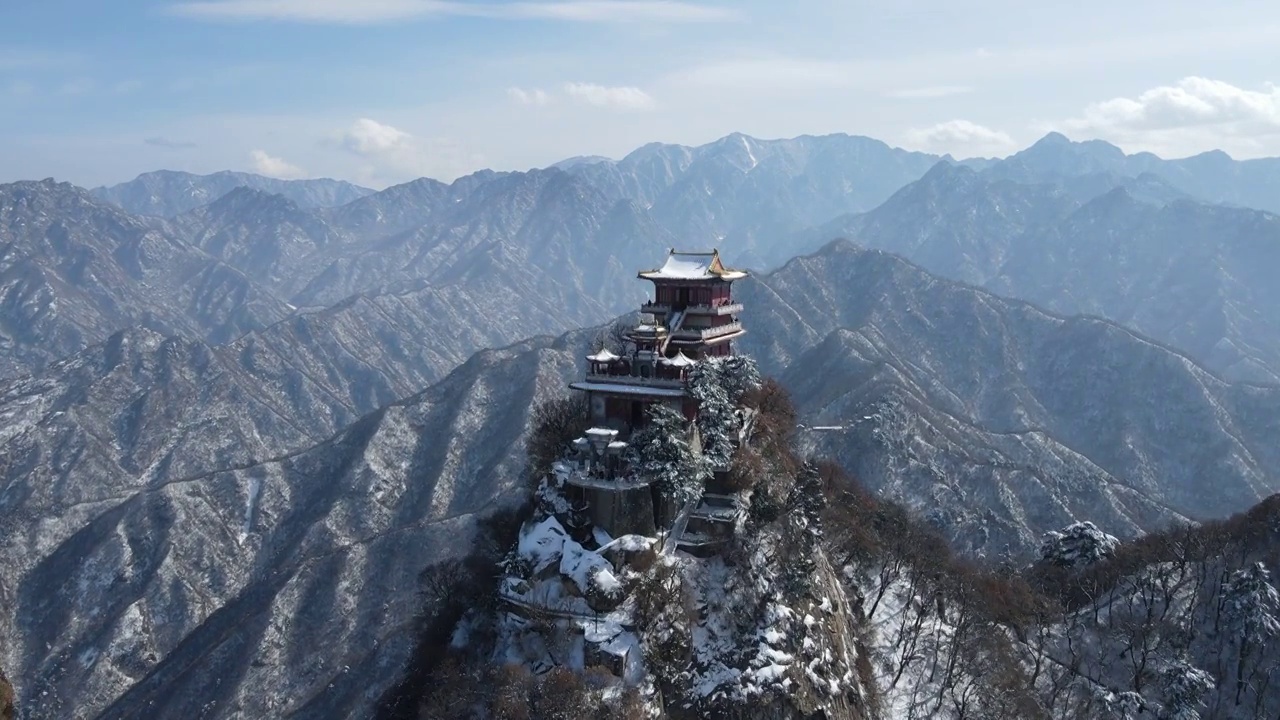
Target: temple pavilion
{"x": 691, "y": 316}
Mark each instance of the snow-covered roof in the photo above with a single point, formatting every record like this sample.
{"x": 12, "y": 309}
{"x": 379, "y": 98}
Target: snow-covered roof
{"x": 601, "y": 433}
{"x": 603, "y": 356}
{"x": 692, "y": 266}
{"x": 680, "y": 360}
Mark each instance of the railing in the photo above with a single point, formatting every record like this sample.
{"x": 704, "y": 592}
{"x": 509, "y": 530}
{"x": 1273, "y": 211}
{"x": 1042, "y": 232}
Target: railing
{"x": 628, "y": 379}
{"x": 707, "y": 333}
{"x": 721, "y": 309}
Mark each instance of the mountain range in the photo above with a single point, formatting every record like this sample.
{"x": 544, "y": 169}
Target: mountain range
{"x": 163, "y": 498}
{"x": 238, "y": 422}
{"x": 1001, "y": 420}
{"x": 166, "y": 193}
{"x": 1187, "y": 273}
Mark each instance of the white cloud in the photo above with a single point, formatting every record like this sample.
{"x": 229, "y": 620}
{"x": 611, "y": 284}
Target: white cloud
{"x": 1194, "y": 101}
{"x": 528, "y": 97}
{"x": 962, "y": 138}
{"x": 370, "y": 137}
{"x": 622, "y": 98}
{"x": 390, "y": 155}
{"x": 928, "y": 93}
{"x": 1193, "y": 115}
{"x": 275, "y": 167}
{"x": 383, "y": 11}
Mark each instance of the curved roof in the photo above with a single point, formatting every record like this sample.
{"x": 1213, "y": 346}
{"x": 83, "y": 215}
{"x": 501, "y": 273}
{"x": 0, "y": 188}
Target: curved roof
{"x": 680, "y": 360}
{"x": 692, "y": 266}
{"x": 603, "y": 356}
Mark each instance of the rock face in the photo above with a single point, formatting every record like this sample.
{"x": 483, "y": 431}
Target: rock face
{"x": 167, "y": 193}
{"x": 7, "y": 711}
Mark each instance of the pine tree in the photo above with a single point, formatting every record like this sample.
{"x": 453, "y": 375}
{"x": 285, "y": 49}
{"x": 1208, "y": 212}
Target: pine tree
{"x": 661, "y": 452}
{"x": 1253, "y": 610}
{"x": 718, "y": 421}
{"x": 738, "y": 375}
{"x": 1185, "y": 687}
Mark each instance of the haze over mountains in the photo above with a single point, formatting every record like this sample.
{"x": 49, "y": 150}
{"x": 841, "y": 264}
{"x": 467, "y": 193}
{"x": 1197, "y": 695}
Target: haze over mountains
{"x": 265, "y": 407}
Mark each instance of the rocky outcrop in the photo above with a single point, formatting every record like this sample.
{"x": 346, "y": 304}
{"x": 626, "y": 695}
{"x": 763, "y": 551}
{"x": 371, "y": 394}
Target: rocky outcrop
{"x": 7, "y": 711}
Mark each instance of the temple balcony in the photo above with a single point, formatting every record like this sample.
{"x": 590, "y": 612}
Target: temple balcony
{"x": 663, "y": 379}
{"x": 703, "y": 334}
{"x": 716, "y": 308}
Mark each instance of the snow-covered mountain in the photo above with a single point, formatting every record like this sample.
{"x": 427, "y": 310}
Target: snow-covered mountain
{"x": 165, "y": 193}
{"x": 155, "y": 565}
{"x": 1211, "y": 176}
{"x": 233, "y": 438}
{"x": 151, "y": 517}
{"x": 74, "y": 270}
{"x": 998, "y": 419}
{"x": 1192, "y": 275}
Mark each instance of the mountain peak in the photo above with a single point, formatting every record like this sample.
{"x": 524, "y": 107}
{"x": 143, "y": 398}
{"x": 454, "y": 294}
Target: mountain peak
{"x": 243, "y": 198}
{"x": 1053, "y": 139}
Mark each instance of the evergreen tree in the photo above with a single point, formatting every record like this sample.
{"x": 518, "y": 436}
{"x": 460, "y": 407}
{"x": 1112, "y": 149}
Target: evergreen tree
{"x": 1185, "y": 687}
{"x": 718, "y": 421}
{"x": 1253, "y": 610}
{"x": 738, "y": 375}
{"x": 661, "y": 452}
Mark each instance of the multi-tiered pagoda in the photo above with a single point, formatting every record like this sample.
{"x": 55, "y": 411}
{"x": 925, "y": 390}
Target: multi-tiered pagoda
{"x": 692, "y": 316}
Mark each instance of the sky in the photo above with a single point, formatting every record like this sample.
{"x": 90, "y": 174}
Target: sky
{"x": 383, "y": 91}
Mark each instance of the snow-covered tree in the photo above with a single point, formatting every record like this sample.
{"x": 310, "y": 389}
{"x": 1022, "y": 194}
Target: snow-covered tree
{"x": 661, "y": 452}
{"x": 1253, "y": 611}
{"x": 1253, "y": 604}
{"x": 718, "y": 420}
{"x": 1184, "y": 687}
{"x": 1077, "y": 545}
{"x": 738, "y": 375}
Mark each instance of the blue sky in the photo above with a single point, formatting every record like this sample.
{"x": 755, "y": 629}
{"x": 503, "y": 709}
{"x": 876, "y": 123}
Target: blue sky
{"x": 381, "y": 91}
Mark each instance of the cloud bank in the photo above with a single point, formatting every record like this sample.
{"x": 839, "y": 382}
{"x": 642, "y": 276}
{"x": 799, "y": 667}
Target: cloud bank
{"x": 1193, "y": 115}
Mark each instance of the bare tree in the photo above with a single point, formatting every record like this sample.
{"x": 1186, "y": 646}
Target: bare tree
{"x": 554, "y": 423}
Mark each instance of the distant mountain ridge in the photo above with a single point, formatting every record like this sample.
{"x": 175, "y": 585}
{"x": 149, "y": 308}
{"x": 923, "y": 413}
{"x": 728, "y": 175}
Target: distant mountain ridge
{"x": 1190, "y": 274}
{"x": 166, "y": 193}
{"x": 73, "y": 270}
{"x": 1212, "y": 176}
